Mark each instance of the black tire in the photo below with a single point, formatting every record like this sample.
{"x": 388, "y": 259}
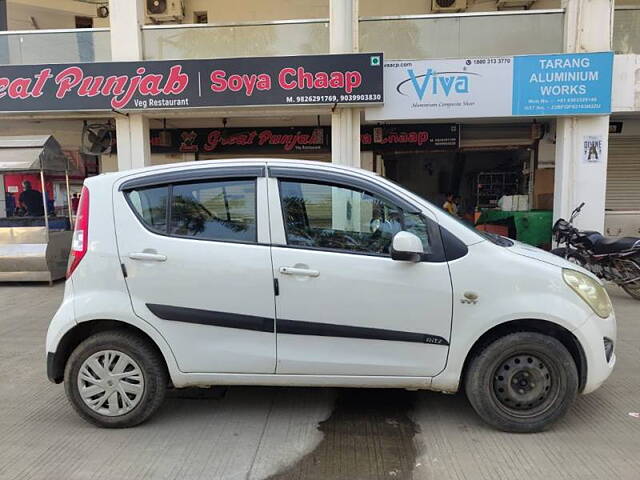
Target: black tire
{"x": 151, "y": 365}
{"x": 522, "y": 357}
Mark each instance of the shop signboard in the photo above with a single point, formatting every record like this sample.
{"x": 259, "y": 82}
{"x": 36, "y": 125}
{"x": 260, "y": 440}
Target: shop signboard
{"x": 409, "y": 138}
{"x": 183, "y": 84}
{"x": 462, "y": 88}
{"x": 286, "y": 140}
{"x": 527, "y": 85}
{"x": 568, "y": 84}
{"x": 263, "y": 140}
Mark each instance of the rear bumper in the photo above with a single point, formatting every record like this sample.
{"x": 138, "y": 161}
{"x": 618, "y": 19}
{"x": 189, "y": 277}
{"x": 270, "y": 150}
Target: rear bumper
{"x": 55, "y": 373}
{"x": 61, "y": 323}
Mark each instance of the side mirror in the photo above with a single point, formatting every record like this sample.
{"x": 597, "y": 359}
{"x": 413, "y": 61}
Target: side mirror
{"x": 407, "y": 247}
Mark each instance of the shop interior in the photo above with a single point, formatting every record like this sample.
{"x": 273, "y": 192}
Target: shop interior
{"x": 476, "y": 178}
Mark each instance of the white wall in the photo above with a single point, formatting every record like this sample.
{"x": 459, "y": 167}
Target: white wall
{"x": 249, "y": 10}
{"x": 49, "y": 14}
{"x": 626, "y": 83}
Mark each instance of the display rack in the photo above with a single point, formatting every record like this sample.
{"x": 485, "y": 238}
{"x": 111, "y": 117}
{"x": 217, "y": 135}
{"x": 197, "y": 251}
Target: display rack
{"x": 490, "y": 186}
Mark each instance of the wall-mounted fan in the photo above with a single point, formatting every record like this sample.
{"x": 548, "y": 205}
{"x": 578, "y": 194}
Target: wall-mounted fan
{"x": 97, "y": 138}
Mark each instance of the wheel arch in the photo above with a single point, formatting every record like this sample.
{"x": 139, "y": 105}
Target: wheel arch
{"x": 560, "y": 333}
{"x": 57, "y": 361}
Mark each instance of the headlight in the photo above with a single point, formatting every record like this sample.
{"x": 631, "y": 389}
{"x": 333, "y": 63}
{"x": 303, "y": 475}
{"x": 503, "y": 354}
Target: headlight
{"x": 590, "y": 291}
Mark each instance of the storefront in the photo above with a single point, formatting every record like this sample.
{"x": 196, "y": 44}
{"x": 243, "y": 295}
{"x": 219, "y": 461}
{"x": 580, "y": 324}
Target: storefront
{"x": 503, "y": 106}
{"x": 491, "y": 114}
{"x": 623, "y": 178}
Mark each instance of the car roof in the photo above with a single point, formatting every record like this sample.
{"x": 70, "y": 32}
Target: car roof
{"x": 248, "y": 161}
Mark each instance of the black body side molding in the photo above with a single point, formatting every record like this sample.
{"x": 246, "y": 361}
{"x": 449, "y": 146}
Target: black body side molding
{"x": 215, "y": 319}
{"x": 290, "y": 327}
{"x": 295, "y": 327}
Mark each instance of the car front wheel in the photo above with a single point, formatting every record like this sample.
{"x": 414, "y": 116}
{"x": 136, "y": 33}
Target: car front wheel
{"x": 522, "y": 382}
{"x": 115, "y": 379}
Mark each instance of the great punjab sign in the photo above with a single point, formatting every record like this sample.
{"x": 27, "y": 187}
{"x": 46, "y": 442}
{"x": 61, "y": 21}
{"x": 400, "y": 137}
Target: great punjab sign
{"x": 528, "y": 85}
{"x": 184, "y": 84}
{"x": 285, "y": 140}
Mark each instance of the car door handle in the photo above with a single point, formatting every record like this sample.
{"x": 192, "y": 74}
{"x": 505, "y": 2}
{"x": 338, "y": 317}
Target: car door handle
{"x": 152, "y": 257}
{"x": 305, "y": 272}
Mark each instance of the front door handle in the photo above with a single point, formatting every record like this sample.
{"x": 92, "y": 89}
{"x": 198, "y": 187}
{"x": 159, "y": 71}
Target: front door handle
{"x": 304, "y": 272}
{"x": 152, "y": 257}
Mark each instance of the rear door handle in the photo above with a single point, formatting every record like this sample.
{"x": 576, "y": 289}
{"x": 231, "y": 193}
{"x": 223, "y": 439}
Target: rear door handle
{"x": 304, "y": 272}
{"x": 151, "y": 257}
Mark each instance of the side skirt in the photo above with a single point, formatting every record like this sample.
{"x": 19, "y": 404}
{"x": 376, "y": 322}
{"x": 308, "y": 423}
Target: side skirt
{"x": 181, "y": 380}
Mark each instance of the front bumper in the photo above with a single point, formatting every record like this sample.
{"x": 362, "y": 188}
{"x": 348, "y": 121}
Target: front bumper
{"x": 591, "y": 336}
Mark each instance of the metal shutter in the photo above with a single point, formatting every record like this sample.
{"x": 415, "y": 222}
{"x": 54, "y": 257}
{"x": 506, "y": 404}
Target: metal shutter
{"x": 623, "y": 174}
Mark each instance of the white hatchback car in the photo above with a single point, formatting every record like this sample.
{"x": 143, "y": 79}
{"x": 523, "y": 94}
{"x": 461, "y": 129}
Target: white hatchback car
{"x": 274, "y": 272}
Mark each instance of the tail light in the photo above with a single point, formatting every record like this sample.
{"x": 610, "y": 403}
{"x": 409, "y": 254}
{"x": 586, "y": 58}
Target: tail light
{"x": 80, "y": 239}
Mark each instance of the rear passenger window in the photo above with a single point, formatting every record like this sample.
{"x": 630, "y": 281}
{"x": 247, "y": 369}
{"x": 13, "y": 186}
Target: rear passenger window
{"x": 216, "y": 210}
{"x": 151, "y": 206}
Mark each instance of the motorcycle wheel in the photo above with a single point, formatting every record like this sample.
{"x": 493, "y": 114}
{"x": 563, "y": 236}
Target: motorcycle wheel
{"x": 573, "y": 256}
{"x": 630, "y": 268}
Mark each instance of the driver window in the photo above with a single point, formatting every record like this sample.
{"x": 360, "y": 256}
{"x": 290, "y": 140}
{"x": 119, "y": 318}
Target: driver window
{"x": 216, "y": 210}
{"x": 333, "y": 217}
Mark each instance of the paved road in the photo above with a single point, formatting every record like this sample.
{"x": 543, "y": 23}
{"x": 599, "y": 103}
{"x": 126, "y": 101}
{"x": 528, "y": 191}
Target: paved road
{"x": 348, "y": 434}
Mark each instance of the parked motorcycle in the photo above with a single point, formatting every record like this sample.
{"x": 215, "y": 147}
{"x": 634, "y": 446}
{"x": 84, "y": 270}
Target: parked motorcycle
{"x": 614, "y": 259}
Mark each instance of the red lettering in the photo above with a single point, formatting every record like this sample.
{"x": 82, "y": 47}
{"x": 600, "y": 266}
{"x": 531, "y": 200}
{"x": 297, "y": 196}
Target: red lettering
{"x": 150, "y": 84}
{"x": 114, "y": 85}
{"x": 282, "y": 79}
{"x": 176, "y": 82}
{"x": 322, "y": 80}
{"x": 41, "y": 78}
{"x": 423, "y": 137}
{"x": 4, "y": 83}
{"x": 305, "y": 79}
{"x": 67, "y": 79}
{"x": 235, "y": 83}
{"x": 121, "y": 100}
{"x": 213, "y": 139}
{"x": 352, "y": 80}
{"x": 250, "y": 82}
{"x": 218, "y": 82}
{"x": 19, "y": 88}
{"x": 336, "y": 80}
{"x": 90, "y": 86}
{"x": 264, "y": 82}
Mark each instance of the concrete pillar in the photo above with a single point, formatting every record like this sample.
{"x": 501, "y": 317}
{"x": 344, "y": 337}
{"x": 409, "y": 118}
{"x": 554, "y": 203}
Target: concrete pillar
{"x": 3, "y": 202}
{"x": 345, "y": 121}
{"x": 132, "y": 130}
{"x": 587, "y": 28}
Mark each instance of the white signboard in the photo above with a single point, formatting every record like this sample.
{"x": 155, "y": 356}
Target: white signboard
{"x": 592, "y": 148}
{"x": 435, "y": 89}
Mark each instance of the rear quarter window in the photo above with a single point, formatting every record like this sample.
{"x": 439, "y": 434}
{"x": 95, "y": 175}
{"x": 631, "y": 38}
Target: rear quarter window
{"x": 150, "y": 205}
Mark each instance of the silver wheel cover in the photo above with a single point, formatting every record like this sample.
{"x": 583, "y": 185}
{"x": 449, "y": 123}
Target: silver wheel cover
{"x": 110, "y": 383}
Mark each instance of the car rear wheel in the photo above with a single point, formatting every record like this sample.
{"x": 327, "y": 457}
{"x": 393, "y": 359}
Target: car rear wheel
{"x": 522, "y": 382}
{"x": 115, "y": 379}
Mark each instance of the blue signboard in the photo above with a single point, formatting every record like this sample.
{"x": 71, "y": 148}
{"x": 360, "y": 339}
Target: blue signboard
{"x": 565, "y": 84}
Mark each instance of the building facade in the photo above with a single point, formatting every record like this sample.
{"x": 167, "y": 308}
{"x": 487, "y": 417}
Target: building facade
{"x": 556, "y": 161}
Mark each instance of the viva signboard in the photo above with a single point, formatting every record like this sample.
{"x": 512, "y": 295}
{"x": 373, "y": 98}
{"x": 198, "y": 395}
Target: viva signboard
{"x": 529, "y": 85}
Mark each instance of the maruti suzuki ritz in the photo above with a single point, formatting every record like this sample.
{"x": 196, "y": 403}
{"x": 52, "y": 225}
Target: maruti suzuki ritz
{"x": 274, "y": 272}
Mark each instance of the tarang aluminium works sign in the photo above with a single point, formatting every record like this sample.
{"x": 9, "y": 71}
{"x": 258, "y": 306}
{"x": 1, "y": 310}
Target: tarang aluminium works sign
{"x": 526, "y": 85}
{"x": 260, "y": 81}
